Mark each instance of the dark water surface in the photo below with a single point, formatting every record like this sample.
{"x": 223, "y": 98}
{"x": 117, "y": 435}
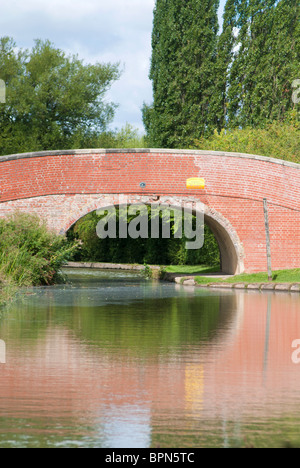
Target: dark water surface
{"x": 112, "y": 360}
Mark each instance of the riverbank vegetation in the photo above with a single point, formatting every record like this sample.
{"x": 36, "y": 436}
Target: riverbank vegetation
{"x": 192, "y": 269}
{"x": 199, "y": 272}
{"x": 30, "y": 254}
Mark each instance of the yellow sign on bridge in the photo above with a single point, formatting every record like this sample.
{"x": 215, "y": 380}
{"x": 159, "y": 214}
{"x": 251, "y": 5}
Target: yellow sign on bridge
{"x": 195, "y": 183}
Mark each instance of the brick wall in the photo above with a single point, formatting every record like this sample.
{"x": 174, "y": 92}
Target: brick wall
{"x": 64, "y": 186}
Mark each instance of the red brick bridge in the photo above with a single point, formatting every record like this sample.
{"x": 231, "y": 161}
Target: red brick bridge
{"x": 63, "y": 186}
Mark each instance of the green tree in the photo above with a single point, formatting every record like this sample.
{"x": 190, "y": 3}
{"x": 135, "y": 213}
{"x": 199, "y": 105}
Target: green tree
{"x": 162, "y": 251}
{"x": 53, "y": 100}
{"x": 184, "y": 50}
{"x": 266, "y": 61}
{"x": 225, "y": 54}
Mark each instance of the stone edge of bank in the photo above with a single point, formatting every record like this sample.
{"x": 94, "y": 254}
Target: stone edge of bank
{"x": 190, "y": 281}
{"x": 108, "y": 266}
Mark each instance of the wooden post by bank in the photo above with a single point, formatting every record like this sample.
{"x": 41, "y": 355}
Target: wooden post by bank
{"x": 267, "y": 227}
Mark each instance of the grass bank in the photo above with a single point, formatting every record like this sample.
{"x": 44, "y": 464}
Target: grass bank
{"x": 281, "y": 276}
{"x": 199, "y": 272}
{"x": 30, "y": 254}
{"x": 191, "y": 269}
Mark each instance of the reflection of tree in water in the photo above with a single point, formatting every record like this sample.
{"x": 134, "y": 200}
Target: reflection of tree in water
{"x": 154, "y": 327}
{"x": 201, "y": 366}
{"x": 128, "y": 318}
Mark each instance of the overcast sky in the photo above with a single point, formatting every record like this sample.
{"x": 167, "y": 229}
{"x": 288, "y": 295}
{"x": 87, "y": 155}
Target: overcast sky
{"x": 99, "y": 31}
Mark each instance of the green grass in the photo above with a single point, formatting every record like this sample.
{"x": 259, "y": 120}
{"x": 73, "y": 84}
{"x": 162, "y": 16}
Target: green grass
{"x": 191, "y": 269}
{"x": 280, "y": 276}
{"x": 205, "y": 280}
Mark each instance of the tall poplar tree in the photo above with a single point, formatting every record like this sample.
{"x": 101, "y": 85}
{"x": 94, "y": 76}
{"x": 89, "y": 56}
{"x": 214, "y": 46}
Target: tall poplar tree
{"x": 183, "y": 67}
{"x": 266, "y": 61}
{"x": 225, "y": 54}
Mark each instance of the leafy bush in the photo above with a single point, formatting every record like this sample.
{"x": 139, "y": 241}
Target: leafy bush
{"x": 30, "y": 254}
{"x": 277, "y": 139}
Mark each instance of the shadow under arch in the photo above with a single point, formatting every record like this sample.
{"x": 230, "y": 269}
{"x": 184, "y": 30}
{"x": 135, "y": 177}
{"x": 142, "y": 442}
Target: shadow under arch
{"x": 230, "y": 247}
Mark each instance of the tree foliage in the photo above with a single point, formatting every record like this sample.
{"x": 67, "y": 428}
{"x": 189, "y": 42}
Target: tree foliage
{"x": 205, "y": 82}
{"x": 278, "y": 140}
{"x": 266, "y": 61}
{"x": 52, "y": 100}
{"x": 184, "y": 42}
{"x": 159, "y": 251}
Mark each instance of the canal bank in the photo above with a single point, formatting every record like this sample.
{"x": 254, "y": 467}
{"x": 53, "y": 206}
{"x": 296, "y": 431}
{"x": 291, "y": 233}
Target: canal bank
{"x": 150, "y": 270}
{"x": 106, "y": 266}
{"x": 214, "y": 281}
{"x": 192, "y": 281}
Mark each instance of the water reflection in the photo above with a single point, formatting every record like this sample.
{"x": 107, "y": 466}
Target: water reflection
{"x": 117, "y": 361}
{"x": 123, "y": 424}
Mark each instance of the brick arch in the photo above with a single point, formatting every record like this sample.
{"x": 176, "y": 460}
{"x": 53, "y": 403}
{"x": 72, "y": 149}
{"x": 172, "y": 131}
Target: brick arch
{"x": 60, "y": 185}
{"x": 230, "y": 247}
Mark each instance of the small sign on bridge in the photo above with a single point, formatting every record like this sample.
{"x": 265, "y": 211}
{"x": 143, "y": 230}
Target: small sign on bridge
{"x": 195, "y": 183}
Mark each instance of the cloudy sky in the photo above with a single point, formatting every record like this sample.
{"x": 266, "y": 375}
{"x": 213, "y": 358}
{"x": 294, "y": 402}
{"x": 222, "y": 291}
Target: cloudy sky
{"x": 99, "y": 31}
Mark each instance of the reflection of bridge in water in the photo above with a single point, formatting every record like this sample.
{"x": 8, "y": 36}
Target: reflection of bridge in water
{"x": 253, "y": 369}
{"x": 244, "y": 370}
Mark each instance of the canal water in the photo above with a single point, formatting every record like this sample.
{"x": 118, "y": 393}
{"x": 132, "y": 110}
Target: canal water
{"x": 113, "y": 360}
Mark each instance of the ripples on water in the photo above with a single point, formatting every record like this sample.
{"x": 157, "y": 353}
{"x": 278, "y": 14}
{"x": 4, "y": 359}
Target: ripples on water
{"x": 112, "y": 360}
